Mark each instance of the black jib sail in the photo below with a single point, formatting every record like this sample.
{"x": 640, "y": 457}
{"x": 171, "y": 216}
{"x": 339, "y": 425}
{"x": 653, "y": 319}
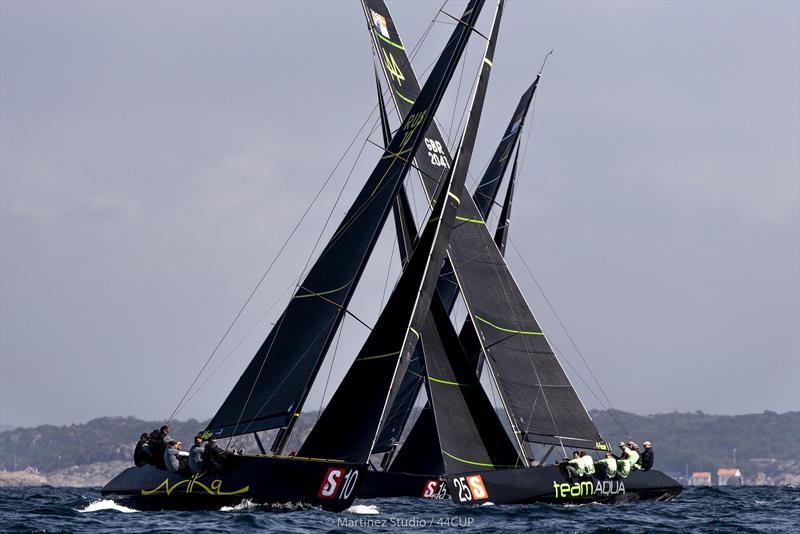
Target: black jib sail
{"x": 541, "y": 402}
{"x": 490, "y": 182}
{"x": 277, "y": 380}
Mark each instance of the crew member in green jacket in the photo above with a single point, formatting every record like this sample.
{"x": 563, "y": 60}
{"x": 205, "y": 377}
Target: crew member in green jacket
{"x": 626, "y": 460}
{"x": 586, "y": 464}
{"x": 608, "y": 465}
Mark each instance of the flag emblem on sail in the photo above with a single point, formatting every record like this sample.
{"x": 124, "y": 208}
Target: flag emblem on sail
{"x": 380, "y": 24}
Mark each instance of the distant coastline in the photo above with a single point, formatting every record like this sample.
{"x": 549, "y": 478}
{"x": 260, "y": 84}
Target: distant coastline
{"x": 765, "y": 446}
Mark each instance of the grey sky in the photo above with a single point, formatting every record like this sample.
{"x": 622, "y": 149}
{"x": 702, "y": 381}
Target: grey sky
{"x": 154, "y": 156}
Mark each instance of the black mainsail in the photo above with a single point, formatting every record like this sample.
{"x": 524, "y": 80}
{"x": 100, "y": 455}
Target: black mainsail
{"x": 275, "y": 383}
{"x": 402, "y": 81}
{"x": 537, "y": 395}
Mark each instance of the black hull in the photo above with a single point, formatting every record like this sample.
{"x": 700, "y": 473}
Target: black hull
{"x": 549, "y": 485}
{"x": 378, "y": 484}
{"x": 260, "y": 479}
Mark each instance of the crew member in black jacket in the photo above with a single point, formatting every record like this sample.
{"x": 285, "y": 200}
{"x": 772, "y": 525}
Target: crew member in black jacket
{"x": 141, "y": 454}
{"x": 213, "y": 456}
{"x": 647, "y": 456}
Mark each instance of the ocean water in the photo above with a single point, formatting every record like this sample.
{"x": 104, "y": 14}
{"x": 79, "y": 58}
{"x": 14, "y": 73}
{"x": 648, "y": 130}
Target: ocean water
{"x": 746, "y": 509}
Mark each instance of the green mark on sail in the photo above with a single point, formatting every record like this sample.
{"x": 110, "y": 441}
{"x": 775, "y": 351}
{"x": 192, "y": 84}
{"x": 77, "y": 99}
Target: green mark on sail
{"x": 378, "y": 356}
{"x": 523, "y": 332}
{"x": 382, "y": 38}
{"x": 468, "y": 462}
{"x": 403, "y": 97}
{"x": 466, "y": 219}
{"x": 321, "y": 293}
{"x": 450, "y": 383}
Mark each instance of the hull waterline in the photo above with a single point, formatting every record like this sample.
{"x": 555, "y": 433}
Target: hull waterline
{"x": 521, "y": 486}
{"x": 260, "y": 479}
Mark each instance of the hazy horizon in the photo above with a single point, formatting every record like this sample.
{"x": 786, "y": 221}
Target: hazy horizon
{"x": 154, "y": 157}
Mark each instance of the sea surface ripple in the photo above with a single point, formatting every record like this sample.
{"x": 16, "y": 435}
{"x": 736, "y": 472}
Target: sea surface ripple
{"x": 745, "y": 509}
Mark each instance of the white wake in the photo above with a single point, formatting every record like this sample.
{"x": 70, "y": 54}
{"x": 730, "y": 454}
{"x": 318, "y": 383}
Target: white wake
{"x": 106, "y": 504}
{"x": 363, "y": 509}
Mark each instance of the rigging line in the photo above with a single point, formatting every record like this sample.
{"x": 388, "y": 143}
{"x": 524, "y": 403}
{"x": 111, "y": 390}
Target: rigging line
{"x": 528, "y": 350}
{"x": 250, "y": 331}
{"x": 336, "y": 203}
{"x": 400, "y": 157}
{"x": 275, "y": 259}
{"x": 283, "y": 380}
{"x": 300, "y": 278}
{"x": 388, "y": 272}
{"x": 458, "y": 94}
{"x": 569, "y": 336}
{"x": 345, "y": 310}
{"x": 465, "y": 113}
{"x": 330, "y": 369}
{"x": 459, "y": 21}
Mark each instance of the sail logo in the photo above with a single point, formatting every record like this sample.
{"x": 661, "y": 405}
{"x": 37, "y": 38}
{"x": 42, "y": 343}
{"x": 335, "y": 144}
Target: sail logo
{"x": 434, "y": 489}
{"x": 379, "y": 21}
{"x": 338, "y": 482}
{"x": 214, "y": 488}
{"x": 392, "y": 67}
{"x": 470, "y": 488}
{"x": 588, "y": 488}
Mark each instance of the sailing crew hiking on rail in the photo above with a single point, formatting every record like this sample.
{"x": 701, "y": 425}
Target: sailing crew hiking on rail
{"x": 582, "y": 464}
{"x": 163, "y": 452}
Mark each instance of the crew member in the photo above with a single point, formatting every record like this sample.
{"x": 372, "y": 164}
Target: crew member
{"x": 213, "y": 456}
{"x": 586, "y": 464}
{"x": 141, "y": 454}
{"x": 172, "y": 457}
{"x": 158, "y": 445}
{"x": 648, "y": 457}
{"x": 573, "y": 467}
{"x": 626, "y": 460}
{"x": 608, "y": 465}
{"x": 196, "y": 455}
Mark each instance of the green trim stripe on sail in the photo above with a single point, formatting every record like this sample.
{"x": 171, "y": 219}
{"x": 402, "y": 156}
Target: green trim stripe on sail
{"x": 481, "y": 319}
{"x": 451, "y": 383}
{"x": 321, "y": 293}
{"x": 398, "y": 93}
{"x": 382, "y": 38}
{"x": 466, "y": 219}
{"x": 378, "y": 356}
{"x": 393, "y": 155}
{"x": 474, "y": 463}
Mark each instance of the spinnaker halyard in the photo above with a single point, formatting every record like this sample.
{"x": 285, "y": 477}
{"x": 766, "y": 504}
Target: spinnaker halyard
{"x": 275, "y": 384}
